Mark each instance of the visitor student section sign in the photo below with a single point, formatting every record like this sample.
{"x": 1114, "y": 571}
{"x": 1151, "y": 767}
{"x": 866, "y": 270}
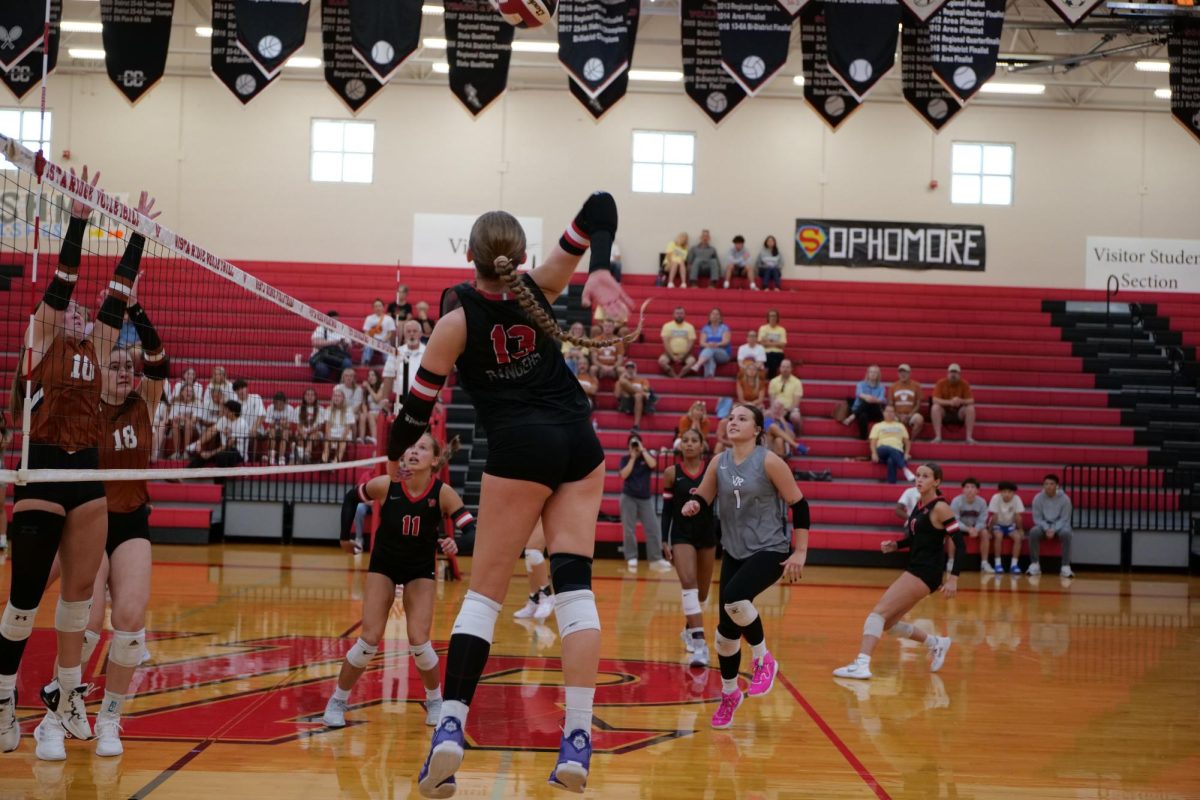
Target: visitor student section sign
{"x": 1148, "y": 265}
{"x": 901, "y": 245}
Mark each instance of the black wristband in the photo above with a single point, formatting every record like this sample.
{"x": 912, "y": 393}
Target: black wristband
{"x": 58, "y": 293}
{"x": 602, "y": 242}
{"x": 800, "y": 514}
{"x": 146, "y": 331}
{"x": 131, "y": 259}
{"x": 409, "y": 425}
{"x": 72, "y": 245}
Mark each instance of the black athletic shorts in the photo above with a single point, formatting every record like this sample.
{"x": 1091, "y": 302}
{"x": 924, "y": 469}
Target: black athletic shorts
{"x": 699, "y": 539}
{"x": 547, "y": 454}
{"x": 68, "y": 495}
{"x": 400, "y": 569}
{"x": 127, "y": 525}
{"x": 931, "y": 574}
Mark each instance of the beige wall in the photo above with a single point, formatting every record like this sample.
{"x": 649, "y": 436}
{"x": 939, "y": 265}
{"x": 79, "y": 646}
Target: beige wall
{"x": 236, "y": 179}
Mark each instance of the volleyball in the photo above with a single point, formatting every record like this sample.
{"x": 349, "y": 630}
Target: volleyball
{"x": 270, "y": 47}
{"x": 860, "y": 70}
{"x": 753, "y": 67}
{"x": 382, "y": 52}
{"x": 964, "y": 78}
{"x": 716, "y": 102}
{"x": 526, "y": 13}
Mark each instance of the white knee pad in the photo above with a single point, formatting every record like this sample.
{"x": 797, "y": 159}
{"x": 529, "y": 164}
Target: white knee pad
{"x": 477, "y": 617}
{"x": 874, "y": 625}
{"x": 424, "y": 656}
{"x": 16, "y": 624}
{"x": 742, "y": 612}
{"x": 72, "y": 617}
{"x": 575, "y": 612}
{"x": 532, "y": 559}
{"x": 901, "y": 630}
{"x": 126, "y": 647}
{"x": 726, "y": 647}
{"x": 691, "y": 602}
{"x": 361, "y": 653}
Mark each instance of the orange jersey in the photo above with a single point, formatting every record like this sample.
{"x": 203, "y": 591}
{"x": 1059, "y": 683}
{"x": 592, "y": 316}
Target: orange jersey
{"x": 611, "y": 355}
{"x": 66, "y": 396}
{"x": 126, "y": 445}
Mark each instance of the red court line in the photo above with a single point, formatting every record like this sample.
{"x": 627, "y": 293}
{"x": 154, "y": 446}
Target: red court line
{"x": 837, "y": 742}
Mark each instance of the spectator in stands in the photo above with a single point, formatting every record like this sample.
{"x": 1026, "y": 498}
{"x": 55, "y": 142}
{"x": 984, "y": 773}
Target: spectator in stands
{"x": 907, "y": 502}
{"x": 633, "y": 394}
{"x": 738, "y": 262}
{"x": 870, "y": 396}
{"x": 218, "y": 382}
{"x": 675, "y": 261}
{"x": 225, "y": 443}
{"x": 278, "y": 426}
{"x": 890, "y": 444}
{"x": 905, "y": 395}
{"x": 614, "y": 262}
{"x": 401, "y": 368}
{"x": 376, "y": 398}
{"x": 787, "y": 389}
{"x": 637, "y": 506}
{"x": 310, "y": 426}
{"x": 380, "y": 326}
{"x": 715, "y": 345}
{"x": 356, "y": 401}
{"x": 752, "y": 349}
{"x": 953, "y": 404}
{"x": 752, "y": 383}
{"x": 576, "y": 330}
{"x": 620, "y": 323}
{"x": 723, "y": 442}
{"x": 769, "y": 264}
{"x": 971, "y": 513}
{"x": 188, "y": 379}
{"x": 400, "y": 309}
{"x": 253, "y": 411}
{"x": 588, "y": 382}
{"x": 213, "y": 408}
{"x": 695, "y": 419}
{"x": 607, "y": 360}
{"x": 678, "y": 338}
{"x": 1051, "y": 518}
{"x": 330, "y": 353}
{"x": 1004, "y": 519}
{"x": 185, "y": 420}
{"x": 773, "y": 337}
{"x": 703, "y": 258}
{"x": 339, "y": 426}
{"x": 421, "y": 315}
{"x": 778, "y": 432}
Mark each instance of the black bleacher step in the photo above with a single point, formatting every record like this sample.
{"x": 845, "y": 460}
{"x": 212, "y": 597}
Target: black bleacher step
{"x": 1115, "y": 349}
{"x": 1148, "y": 382}
{"x": 1136, "y": 365}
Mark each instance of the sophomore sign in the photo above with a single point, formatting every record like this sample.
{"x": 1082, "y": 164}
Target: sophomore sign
{"x": 478, "y": 49}
{"x": 136, "y": 36}
{"x": 704, "y": 79}
{"x": 964, "y": 41}
{"x": 904, "y": 245}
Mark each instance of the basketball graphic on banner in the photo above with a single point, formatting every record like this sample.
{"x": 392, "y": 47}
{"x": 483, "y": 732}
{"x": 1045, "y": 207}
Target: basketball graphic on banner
{"x": 593, "y": 69}
{"x": 938, "y": 108}
{"x": 964, "y": 78}
{"x": 245, "y": 84}
{"x": 753, "y": 67}
{"x": 861, "y": 70}
{"x": 382, "y": 52}
{"x": 356, "y": 89}
{"x": 716, "y": 102}
{"x": 270, "y": 47}
{"x": 835, "y": 105}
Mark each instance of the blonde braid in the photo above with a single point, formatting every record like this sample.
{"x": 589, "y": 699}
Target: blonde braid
{"x": 448, "y": 452}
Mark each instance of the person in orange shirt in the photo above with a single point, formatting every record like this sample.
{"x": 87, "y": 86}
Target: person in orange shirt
{"x": 905, "y": 397}
{"x": 695, "y": 419}
{"x": 606, "y": 361}
{"x": 751, "y": 383}
{"x": 953, "y": 404}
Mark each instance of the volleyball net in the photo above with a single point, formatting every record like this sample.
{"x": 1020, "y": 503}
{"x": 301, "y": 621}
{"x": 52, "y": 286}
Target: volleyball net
{"x": 254, "y": 384}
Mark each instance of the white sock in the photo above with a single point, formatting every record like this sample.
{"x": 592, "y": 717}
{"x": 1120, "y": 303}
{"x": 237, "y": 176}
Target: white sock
{"x": 729, "y": 686}
{"x": 931, "y": 641}
{"x": 8, "y": 683}
{"x": 113, "y": 704}
{"x": 69, "y": 678}
{"x": 863, "y": 659}
{"x": 696, "y": 634}
{"x": 90, "y": 640}
{"x": 433, "y": 694}
{"x": 453, "y": 708}
{"x": 341, "y": 694}
{"x": 579, "y": 708}
{"x": 997, "y": 561}
{"x": 759, "y": 650}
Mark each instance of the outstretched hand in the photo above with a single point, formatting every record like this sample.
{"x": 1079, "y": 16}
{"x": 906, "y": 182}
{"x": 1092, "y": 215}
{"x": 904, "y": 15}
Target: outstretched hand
{"x": 146, "y": 206}
{"x": 81, "y": 210}
{"x": 602, "y": 289}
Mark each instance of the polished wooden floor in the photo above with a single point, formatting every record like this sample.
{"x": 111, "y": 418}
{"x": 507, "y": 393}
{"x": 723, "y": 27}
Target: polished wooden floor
{"x": 1050, "y": 691}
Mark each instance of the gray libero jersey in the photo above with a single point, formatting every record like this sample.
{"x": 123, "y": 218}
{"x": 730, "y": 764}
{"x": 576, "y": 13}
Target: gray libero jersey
{"x": 753, "y": 516}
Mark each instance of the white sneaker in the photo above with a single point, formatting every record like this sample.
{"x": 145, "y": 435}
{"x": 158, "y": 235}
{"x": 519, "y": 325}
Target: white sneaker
{"x": 859, "y": 670}
{"x": 986, "y": 567}
{"x": 108, "y": 736}
{"x": 726, "y": 284}
{"x": 70, "y": 708}
{"x": 526, "y": 611}
{"x": 939, "y": 653}
{"x": 687, "y": 640}
{"x": 335, "y": 713}
{"x": 545, "y": 607}
{"x": 1066, "y": 571}
{"x": 632, "y": 564}
{"x": 908, "y": 475}
{"x": 1034, "y": 569}
{"x": 50, "y": 738}
{"x": 145, "y": 657}
{"x": 10, "y": 729}
{"x": 661, "y": 565}
{"x": 699, "y": 657}
{"x": 433, "y": 712}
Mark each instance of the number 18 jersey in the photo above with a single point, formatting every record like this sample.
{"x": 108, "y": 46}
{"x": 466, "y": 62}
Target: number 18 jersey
{"x": 515, "y": 374}
{"x": 126, "y": 445}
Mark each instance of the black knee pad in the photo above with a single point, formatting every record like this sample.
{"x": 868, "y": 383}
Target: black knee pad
{"x": 570, "y": 573}
{"x": 35, "y": 538}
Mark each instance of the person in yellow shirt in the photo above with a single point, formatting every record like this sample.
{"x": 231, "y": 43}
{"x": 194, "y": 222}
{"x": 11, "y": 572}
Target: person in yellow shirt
{"x": 889, "y": 443}
{"x": 787, "y": 389}
{"x": 675, "y": 261}
{"x": 678, "y": 338}
{"x": 773, "y": 338}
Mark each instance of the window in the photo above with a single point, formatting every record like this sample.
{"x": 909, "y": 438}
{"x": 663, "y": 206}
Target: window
{"x": 342, "y": 152}
{"x": 23, "y": 125}
{"x": 663, "y": 162}
{"x": 982, "y": 174}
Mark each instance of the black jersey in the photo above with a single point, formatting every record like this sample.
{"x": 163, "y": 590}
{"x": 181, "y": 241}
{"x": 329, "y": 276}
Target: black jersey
{"x": 927, "y": 544}
{"x": 513, "y": 372}
{"x": 410, "y": 526}
{"x": 700, "y": 525}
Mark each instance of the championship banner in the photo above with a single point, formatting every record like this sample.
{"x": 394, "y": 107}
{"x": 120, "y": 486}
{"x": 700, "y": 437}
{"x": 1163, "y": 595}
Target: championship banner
{"x": 899, "y": 245}
{"x": 823, "y": 92}
{"x": 923, "y": 9}
{"x": 595, "y": 40}
{"x": 230, "y": 65}
{"x": 704, "y": 79}
{"x": 271, "y": 31}
{"x": 21, "y": 26}
{"x": 478, "y": 49}
{"x": 136, "y": 36}
{"x": 964, "y": 43}
{"x": 601, "y": 104}
{"x": 862, "y": 41}
{"x": 792, "y": 7}
{"x": 1072, "y": 11}
{"x": 386, "y": 32}
{"x": 25, "y": 73}
{"x": 1183, "y": 53}
{"x": 344, "y": 73}
{"x": 924, "y": 93}
{"x": 755, "y": 35}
